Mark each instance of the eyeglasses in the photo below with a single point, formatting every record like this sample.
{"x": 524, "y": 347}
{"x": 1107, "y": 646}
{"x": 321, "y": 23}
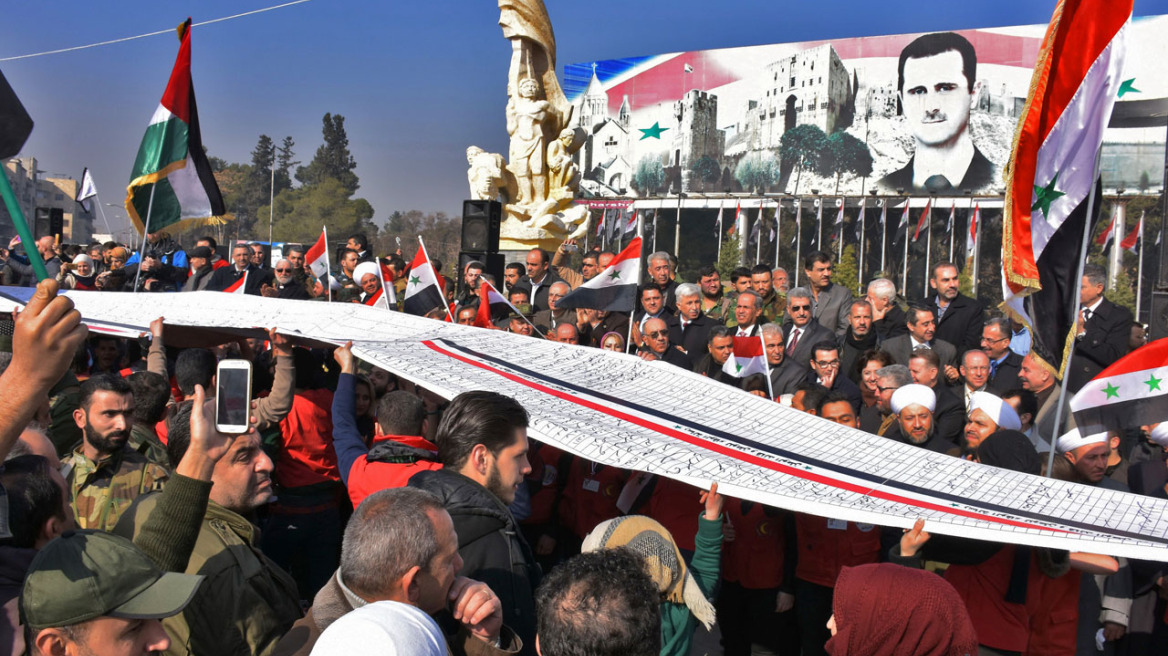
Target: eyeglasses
{"x": 657, "y": 334}
{"x": 800, "y": 308}
{"x": 829, "y": 364}
{"x": 885, "y": 389}
{"x": 987, "y": 340}
{"x": 284, "y": 270}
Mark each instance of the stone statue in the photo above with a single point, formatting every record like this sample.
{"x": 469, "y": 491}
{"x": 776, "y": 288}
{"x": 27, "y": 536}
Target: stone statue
{"x": 539, "y": 181}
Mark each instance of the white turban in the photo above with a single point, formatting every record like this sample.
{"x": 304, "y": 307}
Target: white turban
{"x": 999, "y": 411}
{"x": 384, "y": 627}
{"x": 914, "y": 395}
{"x": 1159, "y": 434}
{"x": 1072, "y": 440}
{"x": 363, "y": 269}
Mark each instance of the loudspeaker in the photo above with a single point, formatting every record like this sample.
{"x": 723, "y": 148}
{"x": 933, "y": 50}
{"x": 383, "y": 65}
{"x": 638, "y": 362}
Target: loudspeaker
{"x": 57, "y": 222}
{"x": 1158, "y": 321}
{"x": 495, "y": 262}
{"x": 480, "y": 225}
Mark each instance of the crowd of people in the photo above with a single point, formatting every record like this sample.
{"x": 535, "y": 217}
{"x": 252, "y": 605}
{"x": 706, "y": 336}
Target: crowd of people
{"x": 363, "y": 513}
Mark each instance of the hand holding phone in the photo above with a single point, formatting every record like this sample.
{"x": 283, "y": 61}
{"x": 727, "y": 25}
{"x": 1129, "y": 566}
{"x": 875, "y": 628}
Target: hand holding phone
{"x": 233, "y": 396}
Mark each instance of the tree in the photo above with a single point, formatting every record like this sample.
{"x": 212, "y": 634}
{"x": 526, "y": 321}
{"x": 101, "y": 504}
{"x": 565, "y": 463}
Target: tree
{"x": 440, "y": 233}
{"x": 730, "y": 257}
{"x": 845, "y": 154}
{"x": 284, "y": 164}
{"x": 333, "y": 159}
{"x": 1145, "y": 182}
{"x": 802, "y": 145}
{"x": 847, "y": 270}
{"x": 649, "y": 177}
{"x": 757, "y": 171}
{"x": 706, "y": 169}
{"x": 300, "y": 213}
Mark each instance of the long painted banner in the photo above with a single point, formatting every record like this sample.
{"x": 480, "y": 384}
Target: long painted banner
{"x": 618, "y": 410}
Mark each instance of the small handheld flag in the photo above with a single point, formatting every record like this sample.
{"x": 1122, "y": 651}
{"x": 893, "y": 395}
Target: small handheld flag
{"x": 614, "y": 289}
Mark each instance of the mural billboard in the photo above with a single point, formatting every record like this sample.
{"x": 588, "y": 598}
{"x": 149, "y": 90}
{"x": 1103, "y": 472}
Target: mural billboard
{"x": 924, "y": 114}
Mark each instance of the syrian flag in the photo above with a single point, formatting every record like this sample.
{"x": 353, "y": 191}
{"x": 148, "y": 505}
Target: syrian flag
{"x": 88, "y": 190}
{"x": 614, "y": 289}
{"x": 172, "y": 179}
{"x": 971, "y": 237}
{"x": 491, "y": 304}
{"x": 1052, "y": 172}
{"x": 239, "y": 286}
{"x": 631, "y": 223}
{"x": 952, "y": 218}
{"x": 748, "y": 357}
{"x": 818, "y": 224}
{"x": 718, "y": 221}
{"x": 737, "y": 219}
{"x": 902, "y": 227}
{"x": 423, "y": 293}
{"x": 757, "y": 228}
{"x": 600, "y": 224}
{"x": 1132, "y": 392}
{"x": 837, "y": 229}
{"x": 317, "y": 257}
{"x": 923, "y": 222}
{"x": 861, "y": 223}
{"x": 1131, "y": 242}
{"x": 1104, "y": 238}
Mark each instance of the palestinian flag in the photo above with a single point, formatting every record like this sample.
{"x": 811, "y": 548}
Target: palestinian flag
{"x": 923, "y": 222}
{"x": 239, "y": 286}
{"x": 1131, "y": 242}
{"x": 614, "y": 289}
{"x": 1132, "y": 392}
{"x": 748, "y": 357}
{"x": 423, "y": 293}
{"x": 317, "y": 257}
{"x": 902, "y": 227}
{"x": 172, "y": 184}
{"x": 1052, "y": 172}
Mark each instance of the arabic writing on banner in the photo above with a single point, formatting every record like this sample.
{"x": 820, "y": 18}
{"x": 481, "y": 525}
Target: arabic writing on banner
{"x": 618, "y": 410}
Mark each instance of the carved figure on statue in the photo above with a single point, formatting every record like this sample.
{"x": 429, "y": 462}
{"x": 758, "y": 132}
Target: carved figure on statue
{"x": 488, "y": 176}
{"x": 526, "y": 115}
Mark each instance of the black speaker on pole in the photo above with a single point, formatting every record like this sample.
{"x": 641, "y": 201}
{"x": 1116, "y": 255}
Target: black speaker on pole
{"x": 480, "y": 225}
{"x": 57, "y": 222}
{"x": 493, "y": 264}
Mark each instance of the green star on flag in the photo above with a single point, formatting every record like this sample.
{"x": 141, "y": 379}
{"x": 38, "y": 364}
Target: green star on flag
{"x": 615, "y": 274}
{"x": 1045, "y": 196}
{"x": 654, "y": 132}
{"x": 1111, "y": 390}
{"x": 1153, "y": 383}
{"x": 1126, "y": 87}
{"x": 738, "y": 366}
{"x": 415, "y": 280}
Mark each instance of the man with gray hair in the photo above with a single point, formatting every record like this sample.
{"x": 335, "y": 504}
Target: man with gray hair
{"x": 786, "y": 374}
{"x": 1101, "y": 333}
{"x": 888, "y": 318}
{"x": 888, "y": 380}
{"x": 284, "y": 284}
{"x": 689, "y": 327}
{"x": 400, "y": 545}
{"x": 661, "y": 277}
{"x": 859, "y": 338}
{"x": 780, "y": 280}
{"x": 802, "y": 331}
{"x": 1005, "y": 364}
{"x": 553, "y": 317}
{"x": 748, "y": 313}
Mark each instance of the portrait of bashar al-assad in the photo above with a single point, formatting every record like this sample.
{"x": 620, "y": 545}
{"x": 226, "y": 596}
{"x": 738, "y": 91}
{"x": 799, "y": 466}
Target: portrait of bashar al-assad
{"x": 937, "y": 88}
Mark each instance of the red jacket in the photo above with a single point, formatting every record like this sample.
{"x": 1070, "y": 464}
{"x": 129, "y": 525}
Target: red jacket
{"x": 999, "y": 624}
{"x": 677, "y": 506}
{"x": 547, "y": 481}
{"x": 824, "y": 549}
{"x": 367, "y": 477}
{"x": 1054, "y": 613}
{"x": 307, "y": 456}
{"x": 754, "y": 558}
{"x": 590, "y": 496}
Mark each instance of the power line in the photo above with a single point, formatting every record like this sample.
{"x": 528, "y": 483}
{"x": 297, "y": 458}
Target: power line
{"x": 143, "y": 36}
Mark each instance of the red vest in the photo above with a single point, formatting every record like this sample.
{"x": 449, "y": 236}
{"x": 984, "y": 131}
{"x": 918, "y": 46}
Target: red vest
{"x": 999, "y": 623}
{"x": 754, "y": 558}
{"x": 366, "y": 477}
{"x": 590, "y": 496}
{"x": 548, "y": 483}
{"x": 824, "y": 550}
{"x": 1054, "y": 613}
{"x": 675, "y": 505}
{"x": 307, "y": 457}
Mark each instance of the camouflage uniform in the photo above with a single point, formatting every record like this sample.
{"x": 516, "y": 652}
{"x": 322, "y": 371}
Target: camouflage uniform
{"x": 774, "y": 307}
{"x": 144, "y": 441}
{"x": 100, "y": 492}
{"x": 729, "y": 305}
{"x": 719, "y": 311}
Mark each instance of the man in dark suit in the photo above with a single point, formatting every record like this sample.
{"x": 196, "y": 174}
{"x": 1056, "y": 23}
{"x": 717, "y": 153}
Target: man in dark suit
{"x": 801, "y": 332}
{"x": 227, "y": 276}
{"x": 786, "y": 374}
{"x": 688, "y": 327}
{"x": 1004, "y": 363}
{"x": 1103, "y": 330}
{"x": 825, "y": 370}
{"x": 887, "y": 316}
{"x": 659, "y": 346}
{"x": 922, "y": 328}
{"x": 949, "y": 412}
{"x": 540, "y": 277}
{"x": 959, "y": 317}
{"x": 719, "y": 346}
{"x": 661, "y": 276}
{"x": 831, "y": 302}
{"x": 748, "y": 314}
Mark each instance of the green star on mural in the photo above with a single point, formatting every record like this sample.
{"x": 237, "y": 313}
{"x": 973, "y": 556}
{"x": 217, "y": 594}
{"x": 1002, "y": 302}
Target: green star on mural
{"x": 1045, "y": 196}
{"x": 615, "y": 274}
{"x": 654, "y": 132}
{"x": 415, "y": 280}
{"x": 1126, "y": 87}
{"x": 1153, "y": 383}
{"x": 1111, "y": 391}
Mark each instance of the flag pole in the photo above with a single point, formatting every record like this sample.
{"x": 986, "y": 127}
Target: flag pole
{"x": 758, "y": 240}
{"x": 976, "y": 245}
{"x": 798, "y": 236}
{"x": 101, "y": 210}
{"x": 676, "y": 230}
{"x": 904, "y": 262}
{"x": 21, "y": 225}
{"x": 721, "y": 207}
{"x": 766, "y": 364}
{"x": 640, "y": 260}
{"x": 145, "y": 231}
{"x": 883, "y": 234}
{"x": 928, "y": 249}
{"x": 778, "y": 229}
{"x": 271, "y": 206}
{"x": 1063, "y": 401}
{"x": 863, "y": 240}
{"x": 328, "y": 271}
{"x": 952, "y": 229}
{"x": 1140, "y": 268}
{"x": 441, "y": 288}
{"x": 840, "y": 241}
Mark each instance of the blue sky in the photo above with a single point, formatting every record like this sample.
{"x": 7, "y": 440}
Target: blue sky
{"x": 417, "y": 81}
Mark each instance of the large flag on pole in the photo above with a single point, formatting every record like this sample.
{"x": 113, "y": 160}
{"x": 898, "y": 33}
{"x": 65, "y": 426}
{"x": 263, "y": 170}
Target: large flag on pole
{"x": 971, "y": 237}
{"x": 88, "y": 190}
{"x": 718, "y": 221}
{"x": 172, "y": 179}
{"x": 317, "y": 257}
{"x": 614, "y": 289}
{"x": 1104, "y": 238}
{"x": 1053, "y": 173}
{"x": 1132, "y": 392}
{"x": 838, "y": 228}
{"x": 1132, "y": 241}
{"x": 423, "y": 292}
{"x": 952, "y": 218}
{"x": 902, "y": 227}
{"x": 737, "y": 218}
{"x": 923, "y": 222}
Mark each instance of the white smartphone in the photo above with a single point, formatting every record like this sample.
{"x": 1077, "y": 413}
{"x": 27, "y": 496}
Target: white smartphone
{"x": 233, "y": 396}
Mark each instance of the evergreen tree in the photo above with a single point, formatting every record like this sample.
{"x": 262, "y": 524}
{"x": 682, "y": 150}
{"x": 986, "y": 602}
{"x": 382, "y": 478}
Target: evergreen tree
{"x": 284, "y": 164}
{"x": 802, "y": 146}
{"x": 333, "y": 159}
{"x": 649, "y": 177}
{"x": 847, "y": 271}
{"x": 730, "y": 257}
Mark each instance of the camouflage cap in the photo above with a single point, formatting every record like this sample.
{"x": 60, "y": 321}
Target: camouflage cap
{"x": 83, "y": 575}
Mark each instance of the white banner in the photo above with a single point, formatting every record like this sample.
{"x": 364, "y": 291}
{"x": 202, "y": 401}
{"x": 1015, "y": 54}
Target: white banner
{"x": 618, "y": 410}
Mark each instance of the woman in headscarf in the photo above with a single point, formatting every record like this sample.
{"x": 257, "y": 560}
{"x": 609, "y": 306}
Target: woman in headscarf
{"x": 613, "y": 341}
{"x": 685, "y": 591}
{"x": 78, "y": 274}
{"x": 883, "y": 609}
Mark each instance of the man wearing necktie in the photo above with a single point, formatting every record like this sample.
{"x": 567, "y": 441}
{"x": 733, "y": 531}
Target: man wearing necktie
{"x": 1102, "y": 331}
